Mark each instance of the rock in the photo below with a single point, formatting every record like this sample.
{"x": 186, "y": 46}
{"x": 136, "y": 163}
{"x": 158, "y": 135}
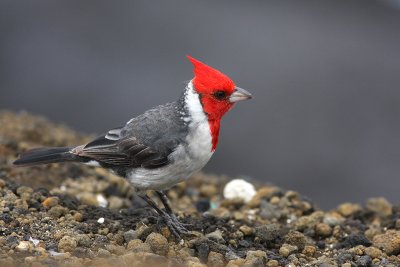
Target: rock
{"x": 373, "y": 252}
{"x": 88, "y": 198}
{"x": 57, "y": 211}
{"x": 239, "y": 189}
{"x": 67, "y": 244}
{"x": 272, "y": 263}
{"x": 268, "y": 233}
{"x": 259, "y": 254}
{"x": 24, "y": 192}
{"x": 50, "y": 202}
{"x": 235, "y": 263}
{"x": 309, "y": 221}
{"x": 208, "y": 190}
{"x": 286, "y": 249}
{"x": 353, "y": 240}
{"x": 349, "y": 209}
{"x": 389, "y": 242}
{"x": 78, "y": 217}
{"x": 215, "y": 259}
{"x": 202, "y": 205}
{"x": 263, "y": 192}
{"x": 115, "y": 202}
{"x": 380, "y": 206}
{"x": 102, "y": 253}
{"x": 157, "y": 243}
{"x": 203, "y": 251}
{"x": 137, "y": 245}
{"x": 129, "y": 235}
{"x": 323, "y": 229}
{"x": 83, "y": 240}
{"x": 309, "y": 251}
{"x": 269, "y": 211}
{"x": 246, "y": 230}
{"x": 333, "y": 218}
{"x": 23, "y": 246}
{"x": 216, "y": 236}
{"x": 297, "y": 239}
{"x": 364, "y": 261}
{"x": 256, "y": 262}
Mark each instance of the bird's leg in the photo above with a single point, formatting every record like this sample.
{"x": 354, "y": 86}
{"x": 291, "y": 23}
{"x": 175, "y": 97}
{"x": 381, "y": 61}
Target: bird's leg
{"x": 165, "y": 201}
{"x": 172, "y": 223}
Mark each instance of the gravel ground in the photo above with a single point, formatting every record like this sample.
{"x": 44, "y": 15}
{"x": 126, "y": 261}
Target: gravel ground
{"x": 73, "y": 215}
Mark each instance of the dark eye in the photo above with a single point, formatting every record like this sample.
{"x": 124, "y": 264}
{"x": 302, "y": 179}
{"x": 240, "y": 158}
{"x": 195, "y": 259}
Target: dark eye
{"x": 219, "y": 95}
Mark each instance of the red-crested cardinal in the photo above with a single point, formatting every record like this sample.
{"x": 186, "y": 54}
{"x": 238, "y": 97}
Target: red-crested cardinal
{"x": 163, "y": 146}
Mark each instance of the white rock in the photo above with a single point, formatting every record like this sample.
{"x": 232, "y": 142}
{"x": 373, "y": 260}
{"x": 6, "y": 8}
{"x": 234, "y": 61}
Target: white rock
{"x": 34, "y": 241}
{"x": 239, "y": 188}
{"x": 100, "y": 220}
{"x": 102, "y": 201}
{"x": 23, "y": 246}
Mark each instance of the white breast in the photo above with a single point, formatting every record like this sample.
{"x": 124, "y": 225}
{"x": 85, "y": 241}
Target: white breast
{"x": 186, "y": 159}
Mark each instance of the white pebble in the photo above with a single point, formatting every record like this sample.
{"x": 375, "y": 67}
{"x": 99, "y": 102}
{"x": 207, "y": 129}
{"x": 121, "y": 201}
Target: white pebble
{"x": 102, "y": 201}
{"x": 22, "y": 246}
{"x": 34, "y": 241}
{"x": 239, "y": 188}
{"x": 100, "y": 220}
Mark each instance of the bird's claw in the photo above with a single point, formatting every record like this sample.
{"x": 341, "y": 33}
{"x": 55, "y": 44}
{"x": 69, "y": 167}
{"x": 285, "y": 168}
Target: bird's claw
{"x": 176, "y": 227}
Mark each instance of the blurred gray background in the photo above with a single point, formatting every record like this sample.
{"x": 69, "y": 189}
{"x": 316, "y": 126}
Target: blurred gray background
{"x": 325, "y": 77}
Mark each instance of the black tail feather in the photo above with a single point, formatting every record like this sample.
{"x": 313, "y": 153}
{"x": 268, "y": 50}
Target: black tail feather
{"x": 45, "y": 155}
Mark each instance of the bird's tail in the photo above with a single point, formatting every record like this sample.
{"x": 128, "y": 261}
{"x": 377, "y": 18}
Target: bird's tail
{"x": 46, "y": 155}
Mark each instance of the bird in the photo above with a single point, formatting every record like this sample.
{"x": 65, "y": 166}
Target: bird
{"x": 161, "y": 147}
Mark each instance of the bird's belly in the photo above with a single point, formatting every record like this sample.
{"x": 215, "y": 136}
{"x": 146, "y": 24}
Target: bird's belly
{"x": 182, "y": 166}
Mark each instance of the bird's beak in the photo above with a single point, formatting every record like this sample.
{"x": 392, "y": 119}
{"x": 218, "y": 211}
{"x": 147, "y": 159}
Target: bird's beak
{"x": 239, "y": 94}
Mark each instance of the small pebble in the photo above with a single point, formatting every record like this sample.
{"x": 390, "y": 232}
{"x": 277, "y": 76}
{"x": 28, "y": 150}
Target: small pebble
{"x": 23, "y": 246}
{"x": 157, "y": 243}
{"x": 246, "y": 230}
{"x": 323, "y": 229}
{"x": 50, "y": 202}
{"x": 286, "y": 249}
{"x": 239, "y": 189}
{"x": 348, "y": 209}
{"x": 67, "y": 244}
{"x": 215, "y": 259}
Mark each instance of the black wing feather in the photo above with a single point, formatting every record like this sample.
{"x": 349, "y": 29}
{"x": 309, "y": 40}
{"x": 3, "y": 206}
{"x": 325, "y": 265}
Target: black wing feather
{"x": 124, "y": 152}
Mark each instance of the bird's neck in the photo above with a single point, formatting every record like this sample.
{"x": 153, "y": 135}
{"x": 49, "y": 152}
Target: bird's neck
{"x": 195, "y": 112}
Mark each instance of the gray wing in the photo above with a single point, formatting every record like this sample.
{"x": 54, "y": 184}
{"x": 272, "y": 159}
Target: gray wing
{"x": 146, "y": 141}
{"x": 118, "y": 151}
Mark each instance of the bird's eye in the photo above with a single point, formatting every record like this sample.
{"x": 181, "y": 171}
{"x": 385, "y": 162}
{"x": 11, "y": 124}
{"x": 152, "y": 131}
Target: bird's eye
{"x": 219, "y": 95}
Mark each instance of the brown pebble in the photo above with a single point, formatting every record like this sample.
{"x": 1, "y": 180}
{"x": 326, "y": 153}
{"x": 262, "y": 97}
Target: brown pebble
{"x": 380, "y": 206}
{"x": 272, "y": 263}
{"x": 389, "y": 242}
{"x": 286, "y": 249}
{"x": 57, "y": 211}
{"x": 373, "y": 252}
{"x": 67, "y": 243}
{"x": 251, "y": 254}
{"x": 157, "y": 243}
{"x": 215, "y": 259}
{"x": 309, "y": 251}
{"x": 78, "y": 217}
{"x": 323, "y": 229}
{"x": 348, "y": 209}
{"x": 50, "y": 202}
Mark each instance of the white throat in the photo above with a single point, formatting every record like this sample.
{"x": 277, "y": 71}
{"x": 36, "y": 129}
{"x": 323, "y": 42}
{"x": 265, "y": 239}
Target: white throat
{"x": 199, "y": 138}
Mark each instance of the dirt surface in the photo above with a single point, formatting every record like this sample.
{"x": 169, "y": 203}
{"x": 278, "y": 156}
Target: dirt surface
{"x": 74, "y": 215}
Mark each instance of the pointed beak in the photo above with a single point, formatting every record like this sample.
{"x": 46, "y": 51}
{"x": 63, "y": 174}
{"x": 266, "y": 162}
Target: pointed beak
{"x": 239, "y": 94}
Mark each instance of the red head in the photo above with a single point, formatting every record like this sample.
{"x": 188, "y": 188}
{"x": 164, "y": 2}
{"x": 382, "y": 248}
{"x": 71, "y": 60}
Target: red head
{"x": 217, "y": 91}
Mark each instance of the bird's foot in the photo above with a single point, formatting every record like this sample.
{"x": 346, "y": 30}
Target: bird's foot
{"x": 176, "y": 227}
